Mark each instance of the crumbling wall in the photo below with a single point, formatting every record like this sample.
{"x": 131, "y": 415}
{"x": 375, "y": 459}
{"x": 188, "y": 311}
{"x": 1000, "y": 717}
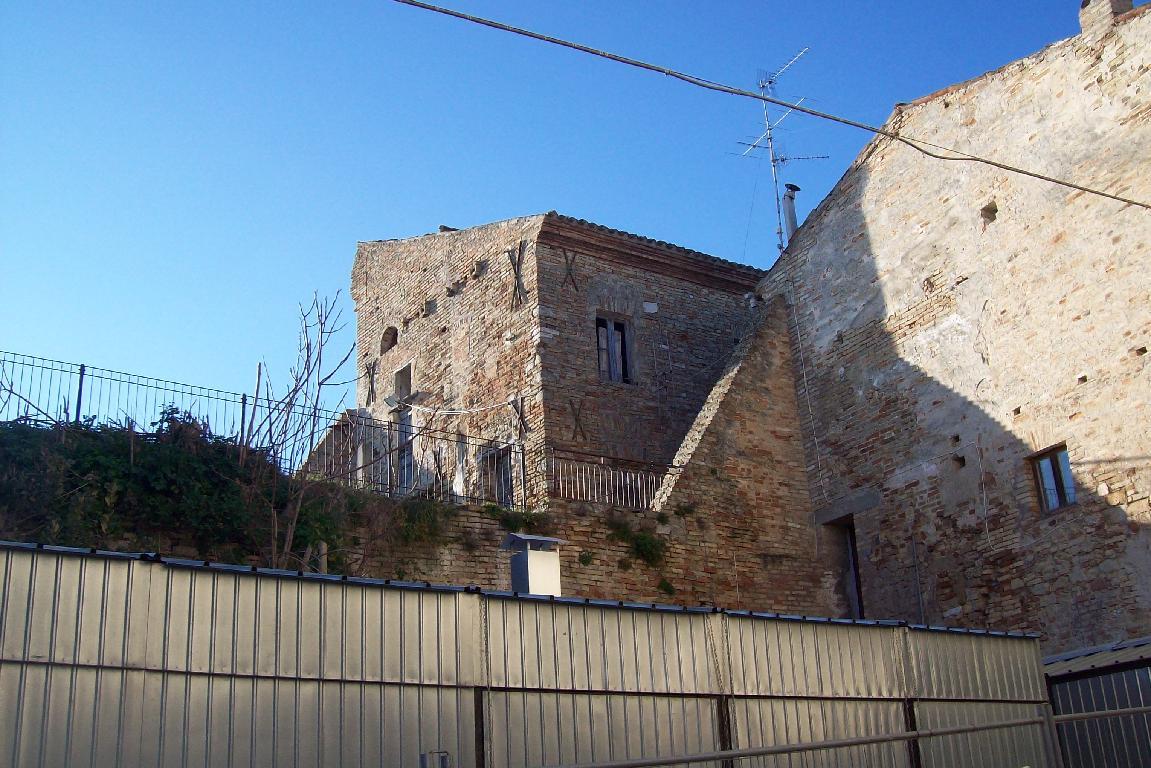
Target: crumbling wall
{"x": 743, "y": 480}
{"x": 458, "y": 307}
{"x": 953, "y": 319}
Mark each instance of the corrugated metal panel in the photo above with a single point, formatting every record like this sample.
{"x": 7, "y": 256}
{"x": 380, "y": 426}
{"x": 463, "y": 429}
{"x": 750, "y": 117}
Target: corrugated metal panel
{"x": 767, "y": 722}
{"x": 577, "y": 728}
{"x": 1008, "y": 747}
{"x": 948, "y": 665}
{"x": 794, "y": 658}
{"x": 85, "y": 716}
{"x": 1098, "y": 658}
{"x": 122, "y": 660}
{"x": 569, "y": 647}
{"x": 108, "y": 612}
{"x": 1117, "y": 742}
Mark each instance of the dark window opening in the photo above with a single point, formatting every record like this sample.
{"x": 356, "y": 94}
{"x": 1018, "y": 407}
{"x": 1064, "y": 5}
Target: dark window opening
{"x": 388, "y": 339}
{"x": 854, "y": 583}
{"x": 405, "y": 452}
{"x": 403, "y": 383}
{"x": 497, "y": 467}
{"x": 1053, "y": 478}
{"x": 612, "y": 350}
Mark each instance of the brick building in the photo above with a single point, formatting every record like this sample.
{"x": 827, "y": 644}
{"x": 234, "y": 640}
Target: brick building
{"x": 576, "y": 359}
{"x": 966, "y": 438}
{"x": 977, "y": 395}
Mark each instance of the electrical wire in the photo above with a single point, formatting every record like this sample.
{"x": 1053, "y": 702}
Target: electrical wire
{"x": 917, "y": 144}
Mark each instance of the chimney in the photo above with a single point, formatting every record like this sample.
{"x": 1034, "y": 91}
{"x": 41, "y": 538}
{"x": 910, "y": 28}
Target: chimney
{"x": 535, "y": 563}
{"x": 789, "y": 221}
{"x": 1096, "y": 17}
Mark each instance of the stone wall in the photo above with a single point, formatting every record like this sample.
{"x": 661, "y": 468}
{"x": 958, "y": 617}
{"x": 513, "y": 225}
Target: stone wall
{"x": 683, "y": 330}
{"x": 743, "y": 474}
{"x": 462, "y": 322}
{"x": 473, "y": 341}
{"x": 954, "y": 319}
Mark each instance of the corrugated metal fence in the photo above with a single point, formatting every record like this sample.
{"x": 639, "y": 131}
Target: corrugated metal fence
{"x": 128, "y": 660}
{"x": 1104, "y": 679}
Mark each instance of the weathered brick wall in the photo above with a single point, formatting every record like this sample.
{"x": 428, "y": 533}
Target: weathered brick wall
{"x": 744, "y": 475}
{"x": 686, "y": 314}
{"x": 469, "y": 339}
{"x": 685, "y": 330}
{"x": 953, "y": 319}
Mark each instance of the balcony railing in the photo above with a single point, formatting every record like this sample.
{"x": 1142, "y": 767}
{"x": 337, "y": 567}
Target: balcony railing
{"x": 397, "y": 459}
{"x": 603, "y": 479}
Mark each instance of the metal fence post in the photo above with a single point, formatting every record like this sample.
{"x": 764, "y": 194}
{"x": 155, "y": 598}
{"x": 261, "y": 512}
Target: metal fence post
{"x": 243, "y": 416}
{"x": 80, "y": 392}
{"x": 523, "y": 477}
{"x": 1051, "y": 741}
{"x": 723, "y": 722}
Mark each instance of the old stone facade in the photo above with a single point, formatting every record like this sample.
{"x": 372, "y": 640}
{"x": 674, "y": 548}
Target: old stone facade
{"x": 935, "y": 407}
{"x": 956, "y": 321}
{"x": 596, "y": 351}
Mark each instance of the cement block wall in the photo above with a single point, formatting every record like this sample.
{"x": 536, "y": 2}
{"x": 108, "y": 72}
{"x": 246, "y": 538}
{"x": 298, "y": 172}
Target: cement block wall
{"x": 954, "y": 319}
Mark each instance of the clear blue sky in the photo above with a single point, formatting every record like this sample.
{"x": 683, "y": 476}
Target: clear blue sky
{"x": 176, "y": 177}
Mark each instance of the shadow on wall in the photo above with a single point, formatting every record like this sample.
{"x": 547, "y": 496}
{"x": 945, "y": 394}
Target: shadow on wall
{"x": 916, "y": 360}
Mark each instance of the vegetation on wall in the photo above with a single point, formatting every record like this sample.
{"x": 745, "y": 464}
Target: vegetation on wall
{"x": 176, "y": 485}
{"x": 519, "y": 520}
{"x": 644, "y": 544}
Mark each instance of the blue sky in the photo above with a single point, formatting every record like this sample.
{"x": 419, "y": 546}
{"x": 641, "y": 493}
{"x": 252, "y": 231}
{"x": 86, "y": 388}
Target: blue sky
{"x": 175, "y": 178}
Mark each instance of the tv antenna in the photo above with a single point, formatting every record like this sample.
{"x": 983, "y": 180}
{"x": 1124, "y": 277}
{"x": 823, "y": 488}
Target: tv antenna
{"x": 766, "y": 140}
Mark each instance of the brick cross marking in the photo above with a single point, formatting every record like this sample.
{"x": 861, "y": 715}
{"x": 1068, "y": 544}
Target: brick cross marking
{"x": 569, "y": 269}
{"x": 577, "y": 424}
{"x": 370, "y": 373}
{"x": 516, "y": 258}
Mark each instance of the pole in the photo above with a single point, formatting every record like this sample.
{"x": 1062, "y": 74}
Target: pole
{"x": 80, "y": 392}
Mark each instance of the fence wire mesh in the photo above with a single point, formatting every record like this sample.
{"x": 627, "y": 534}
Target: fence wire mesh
{"x": 394, "y": 458}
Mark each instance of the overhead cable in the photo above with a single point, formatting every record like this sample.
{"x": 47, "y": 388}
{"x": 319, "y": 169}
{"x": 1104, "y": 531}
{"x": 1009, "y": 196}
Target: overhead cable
{"x": 917, "y": 144}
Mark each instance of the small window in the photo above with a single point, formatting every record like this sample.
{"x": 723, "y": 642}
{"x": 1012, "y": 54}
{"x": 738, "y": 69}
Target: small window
{"x": 388, "y": 339}
{"x": 403, "y": 383}
{"x": 1053, "y": 477}
{"x": 612, "y": 349}
{"x": 496, "y": 469}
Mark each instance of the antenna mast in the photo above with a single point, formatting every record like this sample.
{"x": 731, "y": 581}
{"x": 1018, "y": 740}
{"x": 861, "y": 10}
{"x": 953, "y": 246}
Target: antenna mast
{"x": 767, "y": 83}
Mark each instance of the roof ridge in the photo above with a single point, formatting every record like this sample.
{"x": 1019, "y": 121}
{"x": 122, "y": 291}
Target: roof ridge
{"x": 652, "y": 241}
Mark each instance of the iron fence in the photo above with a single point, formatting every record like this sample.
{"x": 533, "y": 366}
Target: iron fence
{"x": 602, "y": 479}
{"x": 398, "y": 459}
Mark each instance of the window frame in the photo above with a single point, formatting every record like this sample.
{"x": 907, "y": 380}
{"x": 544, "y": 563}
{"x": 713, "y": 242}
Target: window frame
{"x": 1058, "y": 461}
{"x": 615, "y": 361}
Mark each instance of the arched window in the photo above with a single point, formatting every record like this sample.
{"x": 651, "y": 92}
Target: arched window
{"x": 388, "y": 340}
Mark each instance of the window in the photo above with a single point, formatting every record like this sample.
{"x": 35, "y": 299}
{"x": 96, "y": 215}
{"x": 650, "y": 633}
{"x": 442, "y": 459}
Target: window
{"x": 1053, "y": 476}
{"x": 403, "y": 383}
{"x": 495, "y": 465}
{"x": 405, "y": 467}
{"x": 612, "y": 348}
{"x": 388, "y": 339}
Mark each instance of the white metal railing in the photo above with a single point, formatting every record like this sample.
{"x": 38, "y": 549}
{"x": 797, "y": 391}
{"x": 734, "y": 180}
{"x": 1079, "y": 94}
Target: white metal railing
{"x": 602, "y": 479}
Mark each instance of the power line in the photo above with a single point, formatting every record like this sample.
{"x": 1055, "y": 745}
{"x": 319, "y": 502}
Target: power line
{"x": 917, "y": 144}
